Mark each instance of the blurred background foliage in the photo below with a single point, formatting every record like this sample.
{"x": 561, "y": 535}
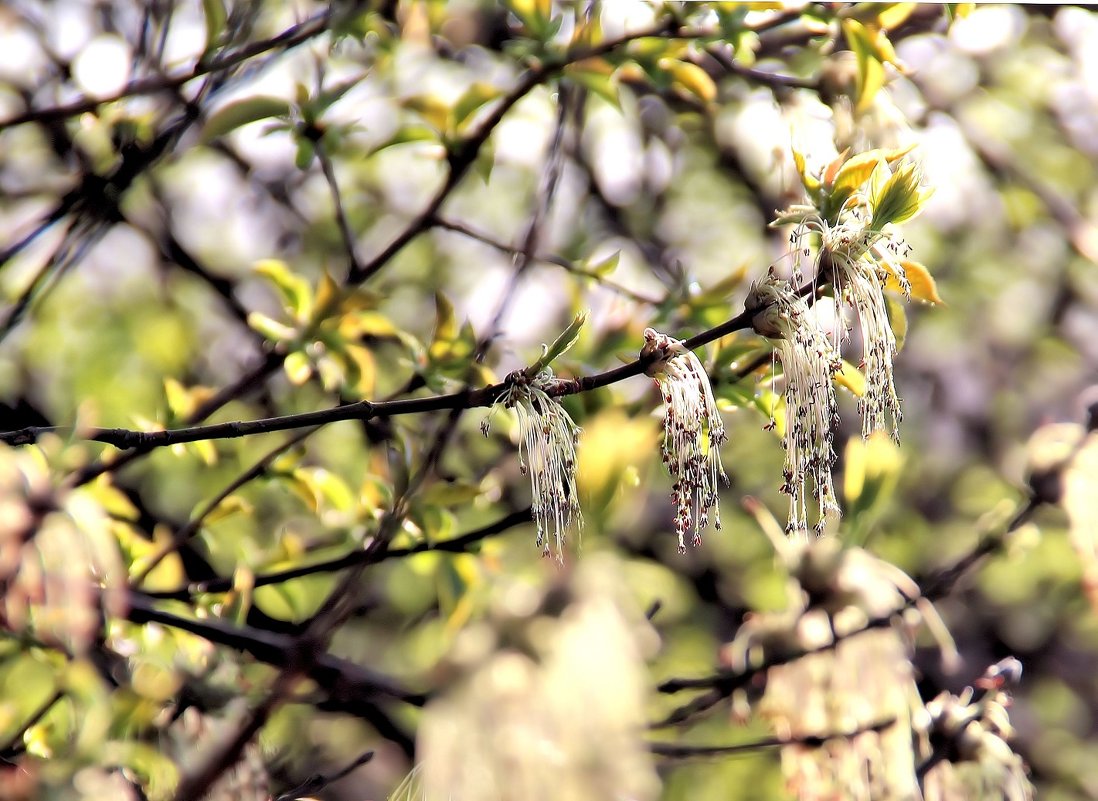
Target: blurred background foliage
{"x": 163, "y": 244}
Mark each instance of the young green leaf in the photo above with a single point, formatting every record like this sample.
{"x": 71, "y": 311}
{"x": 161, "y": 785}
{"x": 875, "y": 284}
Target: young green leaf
{"x": 560, "y": 345}
{"x": 241, "y": 112}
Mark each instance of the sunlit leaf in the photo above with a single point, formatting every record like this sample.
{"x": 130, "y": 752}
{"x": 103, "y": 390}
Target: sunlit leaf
{"x": 690, "y": 78}
{"x": 893, "y": 15}
{"x": 568, "y": 337}
{"x": 432, "y": 109}
{"x": 298, "y": 368}
{"x": 295, "y": 600}
{"x": 897, "y": 320}
{"x": 922, "y": 283}
{"x": 871, "y": 75}
{"x": 295, "y": 290}
{"x": 603, "y": 267}
{"x": 229, "y": 506}
{"x": 408, "y": 134}
{"x": 856, "y": 171}
{"x": 241, "y": 112}
{"x": 473, "y": 99}
{"x": 851, "y": 378}
{"x": 271, "y": 329}
{"x": 215, "y": 17}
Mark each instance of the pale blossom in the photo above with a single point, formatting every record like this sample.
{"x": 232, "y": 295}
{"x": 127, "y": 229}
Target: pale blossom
{"x": 809, "y": 362}
{"x": 547, "y": 454}
{"x": 693, "y": 433}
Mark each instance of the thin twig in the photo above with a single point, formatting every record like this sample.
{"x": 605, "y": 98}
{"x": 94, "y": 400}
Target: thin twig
{"x": 685, "y": 751}
{"x": 289, "y": 38}
{"x": 723, "y": 683}
{"x": 454, "y": 545}
{"x": 363, "y": 410}
{"x": 559, "y": 261}
{"x": 184, "y": 533}
{"x": 318, "y": 781}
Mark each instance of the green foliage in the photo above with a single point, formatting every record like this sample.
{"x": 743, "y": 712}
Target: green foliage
{"x": 423, "y": 169}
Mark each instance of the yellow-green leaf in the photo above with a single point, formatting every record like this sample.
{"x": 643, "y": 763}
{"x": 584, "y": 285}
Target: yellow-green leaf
{"x": 690, "y": 78}
{"x": 295, "y": 290}
{"x": 856, "y": 171}
{"x": 241, "y": 112}
{"x": 893, "y": 15}
{"x": 446, "y": 326}
{"x": 298, "y": 368}
{"x": 871, "y": 75}
{"x": 851, "y": 378}
{"x": 899, "y": 198}
{"x": 474, "y": 98}
{"x": 922, "y": 284}
{"x": 560, "y": 345}
{"x": 603, "y": 267}
{"x": 431, "y": 108}
{"x": 811, "y": 182}
{"x": 214, "y": 12}
{"x": 231, "y": 505}
{"x": 897, "y": 319}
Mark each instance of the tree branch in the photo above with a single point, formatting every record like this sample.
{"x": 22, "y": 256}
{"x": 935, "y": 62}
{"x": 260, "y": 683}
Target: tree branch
{"x": 356, "y": 557}
{"x": 289, "y": 38}
{"x": 723, "y": 683}
{"x": 363, "y": 410}
{"x": 347, "y": 686}
{"x": 682, "y": 751}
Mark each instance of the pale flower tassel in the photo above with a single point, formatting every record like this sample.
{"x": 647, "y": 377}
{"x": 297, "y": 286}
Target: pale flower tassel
{"x": 693, "y": 434}
{"x": 809, "y": 362}
{"x": 547, "y": 454}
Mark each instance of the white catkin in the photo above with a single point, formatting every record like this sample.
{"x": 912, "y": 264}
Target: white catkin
{"x": 809, "y": 363}
{"x": 693, "y": 434}
{"x": 547, "y": 454}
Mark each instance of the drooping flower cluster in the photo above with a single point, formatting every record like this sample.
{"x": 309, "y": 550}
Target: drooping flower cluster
{"x": 809, "y": 362}
{"x": 693, "y": 434}
{"x": 855, "y": 206}
{"x": 547, "y": 454}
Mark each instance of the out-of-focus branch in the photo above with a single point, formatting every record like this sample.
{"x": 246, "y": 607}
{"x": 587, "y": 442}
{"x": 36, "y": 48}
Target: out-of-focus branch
{"x": 319, "y": 781}
{"x": 722, "y": 684}
{"x": 559, "y": 261}
{"x": 686, "y": 751}
{"x": 346, "y": 685}
{"x": 289, "y": 38}
{"x": 455, "y": 545}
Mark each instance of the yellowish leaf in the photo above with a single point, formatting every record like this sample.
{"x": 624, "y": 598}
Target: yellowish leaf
{"x": 857, "y": 171}
{"x": 893, "y": 15}
{"x": 298, "y": 369}
{"x": 852, "y": 379}
{"x": 923, "y": 285}
{"x": 690, "y": 78}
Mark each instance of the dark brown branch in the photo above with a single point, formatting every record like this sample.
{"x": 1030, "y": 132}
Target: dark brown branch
{"x": 347, "y": 686}
{"x": 289, "y": 38}
{"x": 454, "y": 545}
{"x": 318, "y": 781}
{"x": 683, "y": 751}
{"x": 364, "y": 410}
